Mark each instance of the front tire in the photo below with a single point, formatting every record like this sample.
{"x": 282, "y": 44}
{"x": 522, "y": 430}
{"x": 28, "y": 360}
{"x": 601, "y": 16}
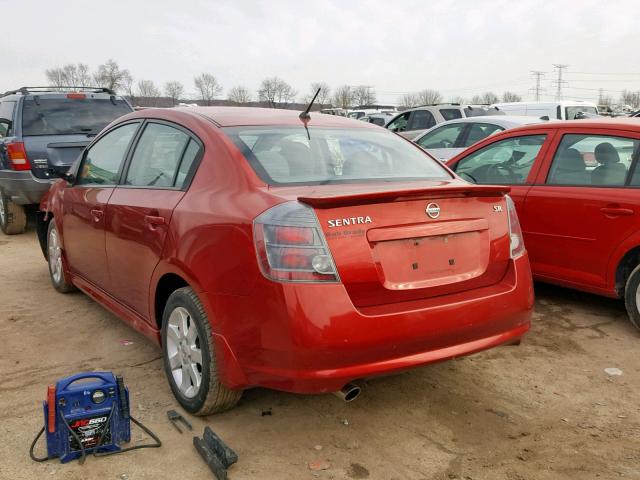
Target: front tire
{"x": 55, "y": 260}
{"x": 13, "y": 218}
{"x": 632, "y": 297}
{"x": 189, "y": 358}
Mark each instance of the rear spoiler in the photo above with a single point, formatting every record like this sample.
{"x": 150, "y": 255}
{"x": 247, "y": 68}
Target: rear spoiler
{"x": 376, "y": 196}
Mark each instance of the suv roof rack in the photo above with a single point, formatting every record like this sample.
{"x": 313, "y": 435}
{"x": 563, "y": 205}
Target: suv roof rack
{"x": 72, "y": 88}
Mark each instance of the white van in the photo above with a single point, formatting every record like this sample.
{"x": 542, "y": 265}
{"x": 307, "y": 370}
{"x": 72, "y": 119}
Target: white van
{"x": 562, "y": 110}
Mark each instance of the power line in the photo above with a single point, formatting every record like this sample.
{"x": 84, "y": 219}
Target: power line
{"x": 559, "y": 82}
{"x": 538, "y": 76}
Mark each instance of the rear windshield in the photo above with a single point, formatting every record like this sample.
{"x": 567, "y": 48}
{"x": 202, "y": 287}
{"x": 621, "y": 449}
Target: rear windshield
{"x": 65, "y": 116}
{"x": 286, "y": 155}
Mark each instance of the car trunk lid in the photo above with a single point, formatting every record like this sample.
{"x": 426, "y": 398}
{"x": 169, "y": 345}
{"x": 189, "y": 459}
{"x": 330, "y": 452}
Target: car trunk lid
{"x": 46, "y": 151}
{"x": 395, "y": 244}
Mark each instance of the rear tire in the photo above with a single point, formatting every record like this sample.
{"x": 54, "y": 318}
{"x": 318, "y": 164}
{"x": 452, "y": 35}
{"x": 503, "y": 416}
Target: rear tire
{"x": 189, "y": 357}
{"x": 13, "y": 219}
{"x": 55, "y": 259}
{"x": 632, "y": 297}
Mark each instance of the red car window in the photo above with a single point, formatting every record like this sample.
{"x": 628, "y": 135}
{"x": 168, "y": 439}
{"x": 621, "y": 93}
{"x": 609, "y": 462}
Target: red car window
{"x": 592, "y": 160}
{"x": 507, "y": 161}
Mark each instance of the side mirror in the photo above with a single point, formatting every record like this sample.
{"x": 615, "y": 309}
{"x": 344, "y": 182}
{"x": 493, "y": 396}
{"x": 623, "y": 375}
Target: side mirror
{"x": 61, "y": 172}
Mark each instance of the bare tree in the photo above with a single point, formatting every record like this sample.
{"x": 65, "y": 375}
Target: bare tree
{"x": 510, "y": 97}
{"x": 489, "y": 98}
{"x": 363, "y": 95}
{"x": 409, "y": 100}
{"x": 208, "y": 87}
{"x": 148, "y": 91}
{"x": 324, "y": 97}
{"x": 476, "y": 99}
{"x": 459, "y": 99}
{"x": 69, "y": 75}
{"x": 174, "y": 90}
{"x": 343, "y": 97}
{"x": 429, "y": 97}
{"x": 275, "y": 92}
{"x": 239, "y": 94}
{"x": 630, "y": 98}
{"x": 128, "y": 87}
{"x": 110, "y": 75}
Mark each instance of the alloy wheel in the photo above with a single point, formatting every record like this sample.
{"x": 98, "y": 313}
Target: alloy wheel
{"x": 55, "y": 256}
{"x": 184, "y": 353}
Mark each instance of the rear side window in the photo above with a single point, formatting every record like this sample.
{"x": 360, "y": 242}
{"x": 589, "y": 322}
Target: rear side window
{"x": 507, "y": 161}
{"x": 103, "y": 160}
{"x": 377, "y": 121}
{"x": 480, "y": 131}
{"x": 157, "y": 156}
{"x": 65, "y": 116}
{"x": 442, "y": 137}
{"x": 450, "y": 113}
{"x": 287, "y": 155}
{"x": 421, "y": 120}
{"x": 592, "y": 160}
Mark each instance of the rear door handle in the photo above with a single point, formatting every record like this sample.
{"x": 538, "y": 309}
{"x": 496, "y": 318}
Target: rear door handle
{"x": 154, "y": 221}
{"x": 97, "y": 214}
{"x": 616, "y": 211}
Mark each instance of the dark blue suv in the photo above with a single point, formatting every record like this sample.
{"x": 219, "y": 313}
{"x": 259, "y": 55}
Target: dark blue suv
{"x": 42, "y": 132}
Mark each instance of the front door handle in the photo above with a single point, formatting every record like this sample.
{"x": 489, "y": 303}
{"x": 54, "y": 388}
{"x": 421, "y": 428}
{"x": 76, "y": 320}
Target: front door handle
{"x": 616, "y": 211}
{"x": 154, "y": 221}
{"x": 97, "y": 214}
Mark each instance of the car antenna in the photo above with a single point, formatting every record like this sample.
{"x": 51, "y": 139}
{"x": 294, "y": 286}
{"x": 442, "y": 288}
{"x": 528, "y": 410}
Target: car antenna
{"x": 305, "y": 117}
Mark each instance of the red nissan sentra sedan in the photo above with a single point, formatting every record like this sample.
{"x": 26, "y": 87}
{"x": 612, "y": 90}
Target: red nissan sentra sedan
{"x": 259, "y": 252}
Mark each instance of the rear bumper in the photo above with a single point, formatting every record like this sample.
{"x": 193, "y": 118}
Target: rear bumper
{"x": 311, "y": 339}
{"x": 22, "y": 187}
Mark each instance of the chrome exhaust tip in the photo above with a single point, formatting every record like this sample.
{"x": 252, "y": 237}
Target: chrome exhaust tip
{"x": 348, "y": 393}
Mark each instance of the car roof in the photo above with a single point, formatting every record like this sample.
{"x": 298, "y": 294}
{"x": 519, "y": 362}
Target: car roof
{"x": 501, "y": 120}
{"x": 239, "y": 116}
{"x": 618, "y": 123}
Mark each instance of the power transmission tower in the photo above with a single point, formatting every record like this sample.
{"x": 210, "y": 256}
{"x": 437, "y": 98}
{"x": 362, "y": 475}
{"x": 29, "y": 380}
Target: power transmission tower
{"x": 559, "y": 82}
{"x": 538, "y": 75}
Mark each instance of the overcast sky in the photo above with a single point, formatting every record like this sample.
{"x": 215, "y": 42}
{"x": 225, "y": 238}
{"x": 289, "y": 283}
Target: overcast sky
{"x": 460, "y": 47}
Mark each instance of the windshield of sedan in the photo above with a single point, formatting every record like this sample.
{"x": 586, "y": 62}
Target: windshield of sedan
{"x": 287, "y": 155}
{"x": 66, "y": 116}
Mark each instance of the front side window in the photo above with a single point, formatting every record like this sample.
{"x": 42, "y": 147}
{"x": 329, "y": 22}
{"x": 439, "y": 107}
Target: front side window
{"x": 6, "y": 112}
{"x": 442, "y": 137}
{"x": 422, "y": 120}
{"x": 103, "y": 160}
{"x": 64, "y": 115}
{"x": 450, "y": 113}
{"x": 399, "y": 124}
{"x": 507, "y": 161}
{"x": 157, "y": 157}
{"x": 592, "y": 160}
{"x": 286, "y": 155}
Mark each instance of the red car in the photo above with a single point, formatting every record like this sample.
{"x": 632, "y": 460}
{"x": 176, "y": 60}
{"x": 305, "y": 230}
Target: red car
{"x": 576, "y": 188}
{"x": 263, "y": 250}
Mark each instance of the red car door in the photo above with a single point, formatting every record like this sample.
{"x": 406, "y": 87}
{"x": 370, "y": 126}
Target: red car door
{"x": 580, "y": 210}
{"x": 84, "y": 204}
{"x": 140, "y": 209}
{"x": 509, "y": 158}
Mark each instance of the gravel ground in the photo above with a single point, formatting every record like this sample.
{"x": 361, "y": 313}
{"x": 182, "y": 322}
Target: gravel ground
{"x": 543, "y": 410}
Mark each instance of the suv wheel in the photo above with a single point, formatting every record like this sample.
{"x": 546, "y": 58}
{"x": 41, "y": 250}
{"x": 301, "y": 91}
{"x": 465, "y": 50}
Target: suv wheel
{"x": 189, "y": 358}
{"x": 632, "y": 297}
{"x": 13, "y": 219}
{"x": 55, "y": 260}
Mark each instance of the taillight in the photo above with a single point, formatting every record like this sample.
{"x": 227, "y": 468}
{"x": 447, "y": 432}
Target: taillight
{"x": 291, "y": 247}
{"x": 515, "y": 232}
{"x": 18, "y": 156}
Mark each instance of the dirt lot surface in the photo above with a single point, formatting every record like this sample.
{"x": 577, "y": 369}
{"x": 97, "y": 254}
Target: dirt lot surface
{"x": 543, "y": 410}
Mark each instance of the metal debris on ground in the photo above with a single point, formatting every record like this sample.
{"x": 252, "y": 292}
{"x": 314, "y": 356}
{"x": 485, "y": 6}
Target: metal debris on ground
{"x": 175, "y": 417}
{"x": 217, "y": 455}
